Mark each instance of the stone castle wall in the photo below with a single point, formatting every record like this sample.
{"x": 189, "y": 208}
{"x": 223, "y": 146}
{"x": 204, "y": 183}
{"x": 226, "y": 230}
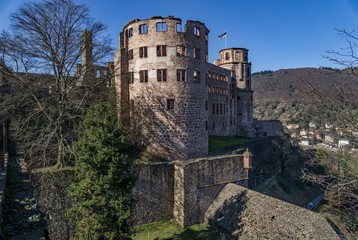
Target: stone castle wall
{"x": 194, "y": 99}
{"x": 183, "y": 190}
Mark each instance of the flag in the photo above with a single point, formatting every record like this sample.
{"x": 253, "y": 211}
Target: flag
{"x": 222, "y": 35}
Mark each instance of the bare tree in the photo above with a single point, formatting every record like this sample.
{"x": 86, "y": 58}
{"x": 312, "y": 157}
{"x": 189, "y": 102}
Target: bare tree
{"x": 39, "y": 58}
{"x": 337, "y": 173}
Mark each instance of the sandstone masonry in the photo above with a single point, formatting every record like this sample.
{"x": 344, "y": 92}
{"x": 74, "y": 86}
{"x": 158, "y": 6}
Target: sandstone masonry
{"x": 162, "y": 73}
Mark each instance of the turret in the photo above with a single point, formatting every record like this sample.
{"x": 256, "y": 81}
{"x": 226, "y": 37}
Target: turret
{"x": 236, "y": 59}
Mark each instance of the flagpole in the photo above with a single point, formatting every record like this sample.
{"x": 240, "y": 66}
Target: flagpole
{"x": 226, "y": 39}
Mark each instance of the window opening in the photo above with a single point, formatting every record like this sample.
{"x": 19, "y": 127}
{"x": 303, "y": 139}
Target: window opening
{"x": 181, "y": 75}
{"x": 162, "y": 75}
{"x": 143, "y": 29}
{"x": 161, "y": 50}
{"x": 143, "y": 75}
{"x": 161, "y": 26}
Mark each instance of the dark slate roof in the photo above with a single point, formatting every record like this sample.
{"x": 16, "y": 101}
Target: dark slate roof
{"x": 241, "y": 213}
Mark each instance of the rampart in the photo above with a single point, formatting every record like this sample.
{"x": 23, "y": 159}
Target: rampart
{"x": 183, "y": 190}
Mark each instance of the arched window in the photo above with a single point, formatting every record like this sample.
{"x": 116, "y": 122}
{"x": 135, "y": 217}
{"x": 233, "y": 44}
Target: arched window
{"x": 227, "y": 56}
{"x": 237, "y": 55}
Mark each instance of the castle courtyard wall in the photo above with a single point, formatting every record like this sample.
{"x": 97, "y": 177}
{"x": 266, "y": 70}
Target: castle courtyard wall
{"x": 183, "y": 190}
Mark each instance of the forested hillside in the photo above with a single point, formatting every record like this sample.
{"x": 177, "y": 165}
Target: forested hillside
{"x": 304, "y": 94}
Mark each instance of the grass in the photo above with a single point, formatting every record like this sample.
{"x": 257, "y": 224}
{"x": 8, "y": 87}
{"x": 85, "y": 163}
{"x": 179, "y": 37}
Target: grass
{"x": 217, "y": 143}
{"x": 170, "y": 230}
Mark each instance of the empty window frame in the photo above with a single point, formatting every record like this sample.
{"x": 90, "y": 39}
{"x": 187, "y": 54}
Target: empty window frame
{"x": 196, "y": 76}
{"x": 129, "y": 32}
{"x": 196, "y": 31}
{"x": 161, "y": 26}
{"x": 143, "y": 52}
{"x": 179, "y": 27}
{"x": 180, "y": 51}
{"x": 181, "y": 75}
{"x": 197, "y": 53}
{"x": 130, "y": 54}
{"x": 143, "y": 75}
{"x": 170, "y": 104}
{"x": 227, "y": 56}
{"x": 143, "y": 29}
{"x": 131, "y": 77}
{"x": 161, "y": 50}
{"x": 162, "y": 75}
{"x": 237, "y": 55}
{"x": 98, "y": 73}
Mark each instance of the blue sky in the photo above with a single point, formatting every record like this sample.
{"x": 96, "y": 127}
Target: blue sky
{"x": 278, "y": 33}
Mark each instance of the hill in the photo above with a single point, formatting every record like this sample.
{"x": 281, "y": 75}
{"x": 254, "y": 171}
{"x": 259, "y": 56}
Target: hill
{"x": 304, "y": 94}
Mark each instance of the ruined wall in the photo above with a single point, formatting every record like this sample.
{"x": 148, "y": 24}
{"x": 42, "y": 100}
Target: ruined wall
{"x": 245, "y": 108}
{"x": 270, "y": 128}
{"x": 50, "y": 191}
{"x": 183, "y": 190}
{"x": 199, "y": 181}
{"x": 154, "y": 192}
{"x": 222, "y": 102}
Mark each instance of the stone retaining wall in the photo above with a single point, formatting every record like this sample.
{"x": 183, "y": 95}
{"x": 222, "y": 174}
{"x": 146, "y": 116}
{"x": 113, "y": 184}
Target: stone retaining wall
{"x": 183, "y": 190}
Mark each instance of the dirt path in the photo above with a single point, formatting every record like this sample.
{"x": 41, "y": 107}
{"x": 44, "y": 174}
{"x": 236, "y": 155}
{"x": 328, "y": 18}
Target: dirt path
{"x": 22, "y": 219}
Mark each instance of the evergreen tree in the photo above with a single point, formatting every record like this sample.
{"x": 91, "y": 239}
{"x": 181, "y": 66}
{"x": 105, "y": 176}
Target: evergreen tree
{"x": 105, "y": 157}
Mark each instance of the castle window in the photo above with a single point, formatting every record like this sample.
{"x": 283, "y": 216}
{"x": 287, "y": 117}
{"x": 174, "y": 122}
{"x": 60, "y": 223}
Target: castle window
{"x": 206, "y": 57}
{"x": 170, "y": 104}
{"x": 197, "y": 53}
{"x": 196, "y": 31}
{"x": 206, "y": 125}
{"x": 143, "y": 29}
{"x": 206, "y": 105}
{"x": 213, "y": 106}
{"x": 161, "y": 50}
{"x": 143, "y": 75}
{"x": 206, "y": 37}
{"x": 217, "y": 108}
{"x": 227, "y": 56}
{"x": 129, "y": 32}
{"x": 245, "y": 56}
{"x": 196, "y": 77}
{"x": 143, "y": 52}
{"x": 162, "y": 75}
{"x": 161, "y": 26}
{"x": 181, "y": 75}
{"x": 98, "y": 73}
{"x": 131, "y": 77}
{"x": 178, "y": 27}
{"x": 237, "y": 55}
{"x": 130, "y": 54}
{"x": 180, "y": 51}
{"x": 213, "y": 125}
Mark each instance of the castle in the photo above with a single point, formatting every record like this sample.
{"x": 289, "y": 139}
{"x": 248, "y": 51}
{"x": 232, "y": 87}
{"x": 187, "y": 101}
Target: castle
{"x": 162, "y": 71}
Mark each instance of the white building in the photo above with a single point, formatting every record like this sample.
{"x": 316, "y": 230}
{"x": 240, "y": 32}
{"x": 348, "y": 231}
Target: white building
{"x": 343, "y": 142}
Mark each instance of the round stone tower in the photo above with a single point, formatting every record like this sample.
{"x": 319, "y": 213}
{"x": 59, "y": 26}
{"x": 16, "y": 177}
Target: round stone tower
{"x": 161, "y": 71}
